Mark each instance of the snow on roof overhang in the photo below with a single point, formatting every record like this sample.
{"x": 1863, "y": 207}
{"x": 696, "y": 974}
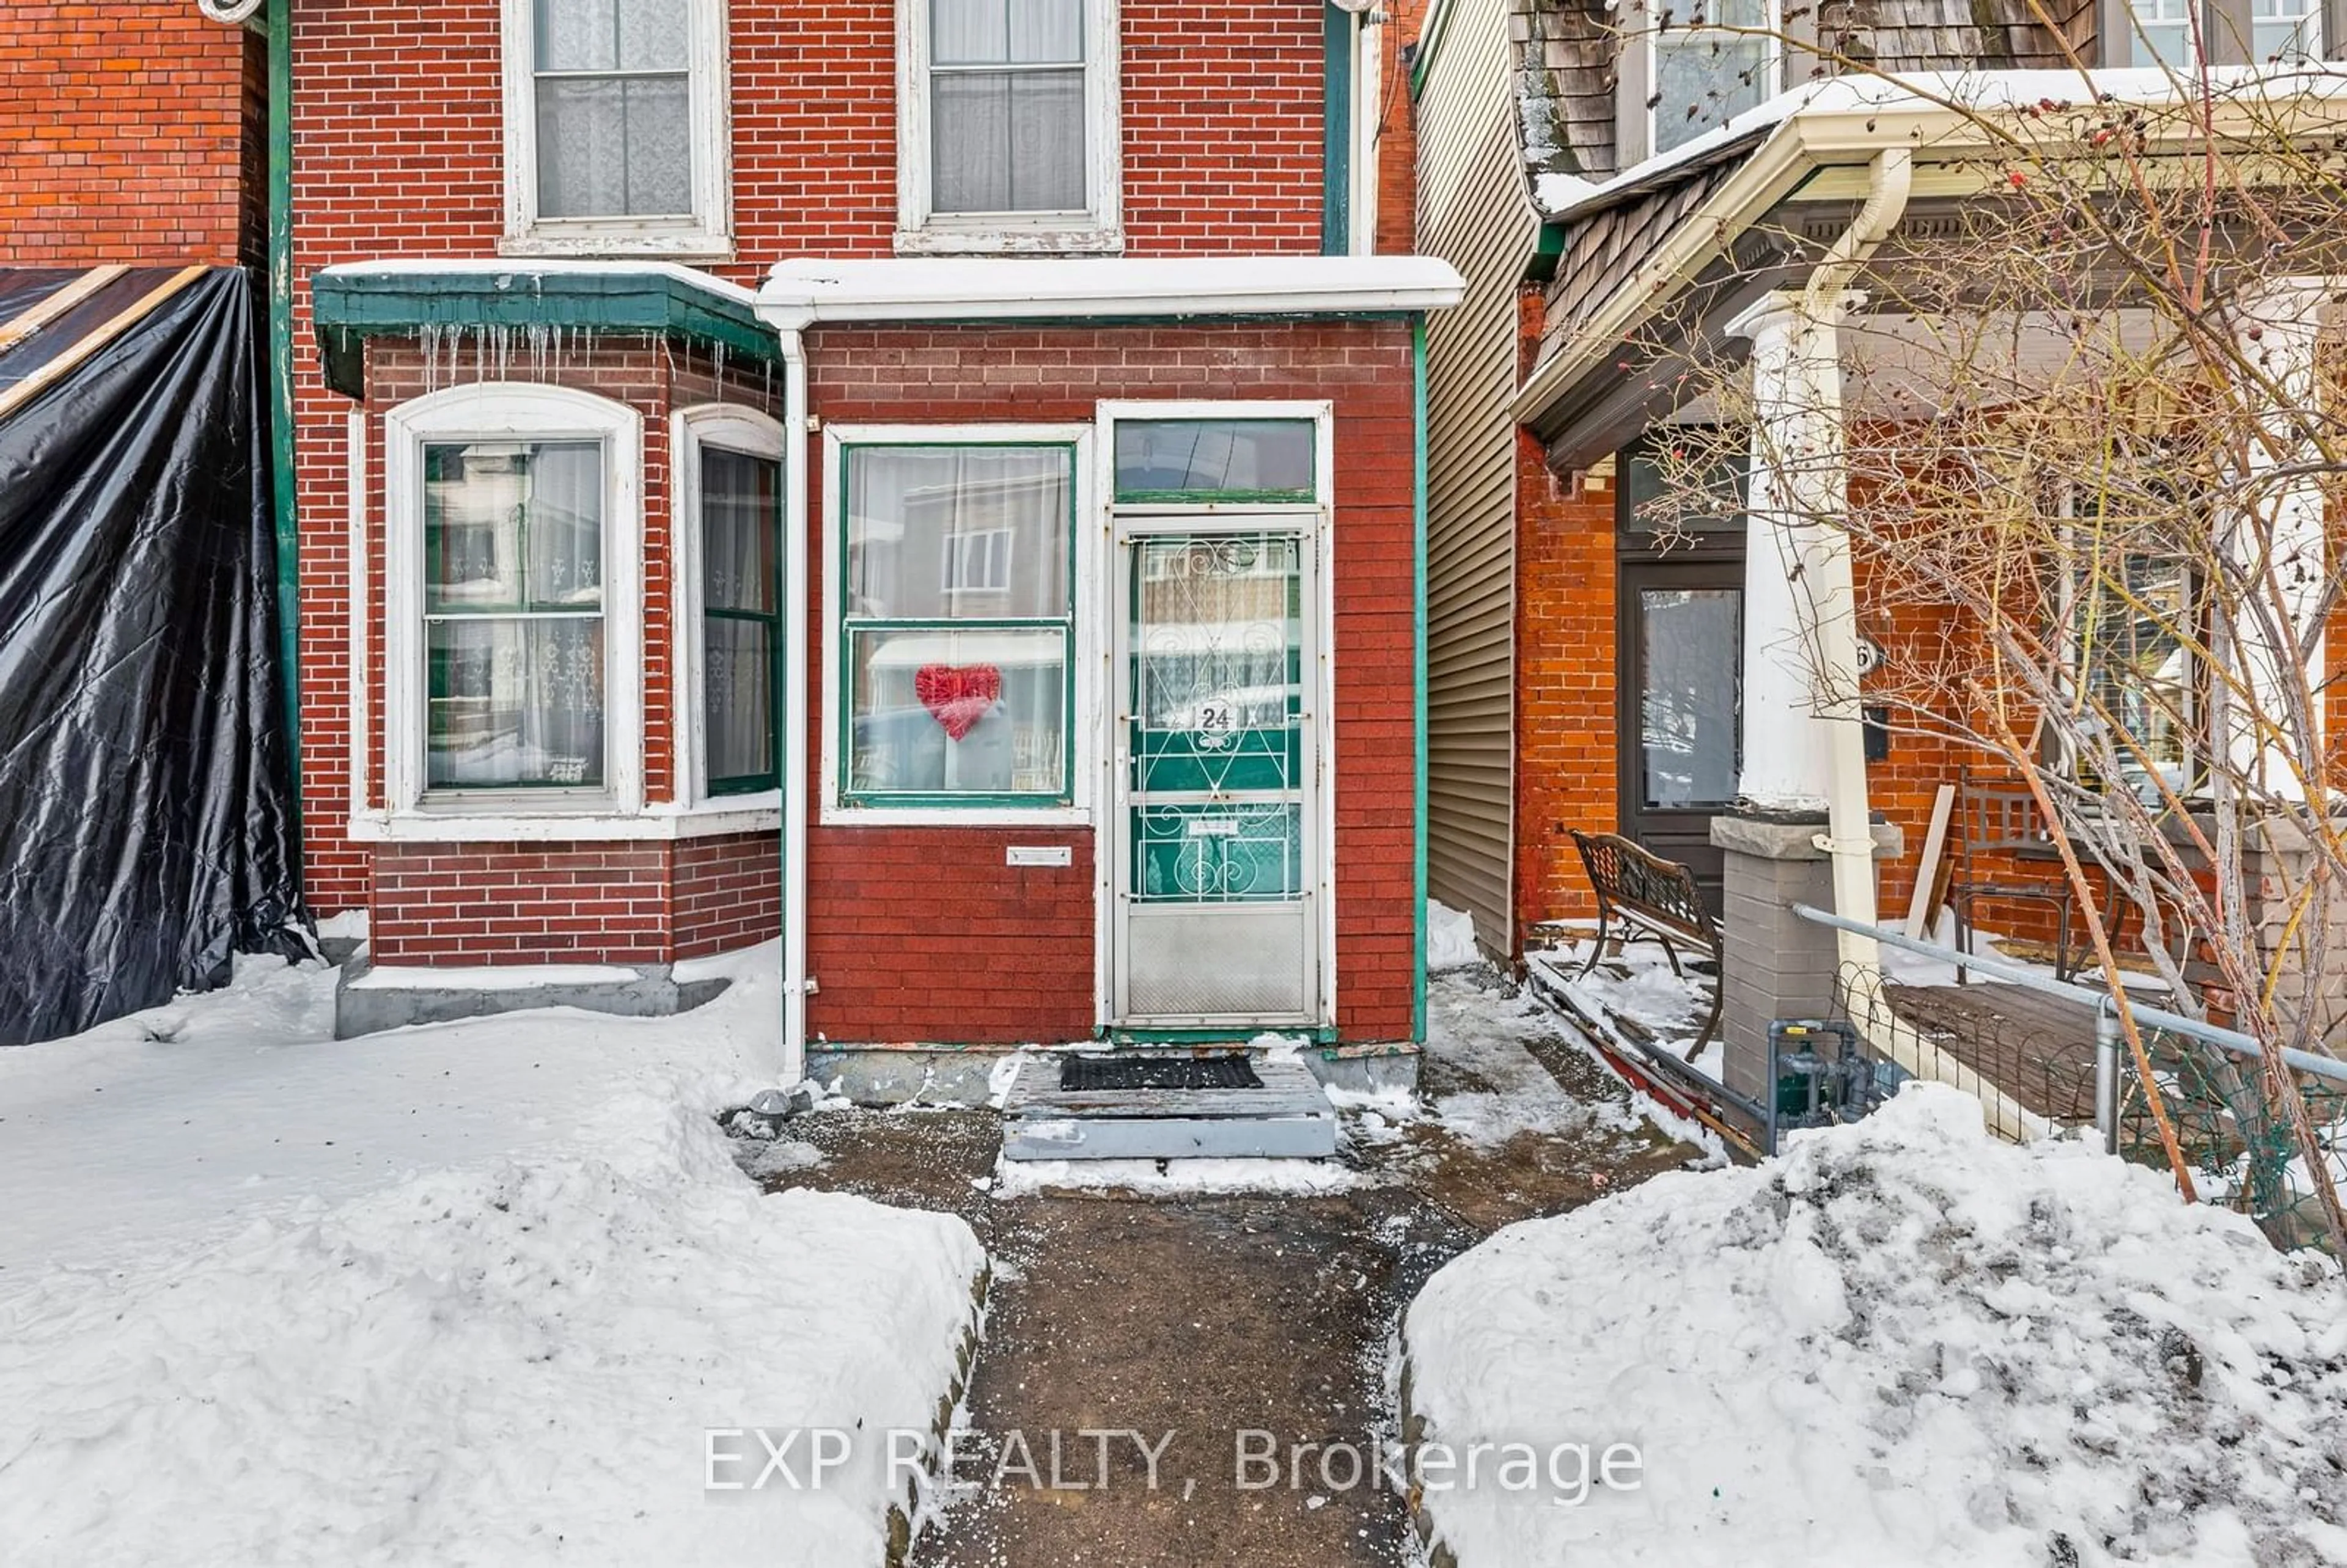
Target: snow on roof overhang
{"x": 409, "y": 296}
{"x": 1845, "y": 122}
{"x": 801, "y": 293}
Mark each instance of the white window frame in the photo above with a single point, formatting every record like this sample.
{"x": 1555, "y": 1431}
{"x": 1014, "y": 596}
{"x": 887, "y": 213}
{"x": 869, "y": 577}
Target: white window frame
{"x": 511, "y": 411}
{"x": 753, "y": 434}
{"x": 1100, "y": 230}
{"x": 1636, "y": 119}
{"x": 1084, "y": 719}
{"x": 705, "y": 235}
{"x": 2228, "y": 34}
{"x": 955, "y": 553}
{"x": 1318, "y": 517}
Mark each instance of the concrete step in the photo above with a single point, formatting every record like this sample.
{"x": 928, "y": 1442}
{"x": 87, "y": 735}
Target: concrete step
{"x": 1289, "y": 1117}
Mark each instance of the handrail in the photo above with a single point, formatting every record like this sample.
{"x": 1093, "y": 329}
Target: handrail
{"x": 2231, "y": 1040}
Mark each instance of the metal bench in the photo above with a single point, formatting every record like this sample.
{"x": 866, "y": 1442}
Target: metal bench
{"x": 1648, "y": 897}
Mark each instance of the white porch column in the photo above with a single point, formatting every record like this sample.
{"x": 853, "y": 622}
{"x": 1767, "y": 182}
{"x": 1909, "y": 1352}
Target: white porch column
{"x": 1797, "y": 575}
{"x": 2277, "y": 539}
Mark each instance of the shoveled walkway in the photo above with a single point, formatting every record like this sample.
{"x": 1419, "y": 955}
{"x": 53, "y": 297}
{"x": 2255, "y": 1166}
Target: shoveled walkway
{"x": 1191, "y": 1319}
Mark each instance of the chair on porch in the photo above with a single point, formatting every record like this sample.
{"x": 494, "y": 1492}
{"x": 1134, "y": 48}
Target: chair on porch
{"x": 1640, "y": 894}
{"x": 1996, "y": 815}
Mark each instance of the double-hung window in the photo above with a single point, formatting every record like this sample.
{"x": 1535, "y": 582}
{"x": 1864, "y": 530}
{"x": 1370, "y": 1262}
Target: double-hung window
{"x": 513, "y": 600}
{"x": 513, "y": 614}
{"x": 615, "y": 127}
{"x": 2135, "y": 620}
{"x": 1006, "y": 126}
{"x": 729, "y": 570}
{"x": 2162, "y": 32}
{"x": 1708, "y": 66}
{"x": 953, "y": 623}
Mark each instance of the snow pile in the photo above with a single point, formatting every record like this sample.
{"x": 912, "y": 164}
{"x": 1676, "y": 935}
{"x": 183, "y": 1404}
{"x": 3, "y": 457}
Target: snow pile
{"x": 1449, "y": 939}
{"x": 473, "y": 1293}
{"x": 1902, "y": 1343}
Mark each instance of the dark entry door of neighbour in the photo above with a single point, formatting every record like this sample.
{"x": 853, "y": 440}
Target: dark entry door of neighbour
{"x": 1679, "y": 658}
{"x": 1681, "y": 708}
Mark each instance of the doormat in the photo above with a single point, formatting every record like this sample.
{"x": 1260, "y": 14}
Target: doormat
{"x": 1229, "y": 1070}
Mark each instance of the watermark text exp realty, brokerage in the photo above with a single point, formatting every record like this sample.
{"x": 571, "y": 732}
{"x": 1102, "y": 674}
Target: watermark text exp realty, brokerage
{"x": 1096, "y": 1458}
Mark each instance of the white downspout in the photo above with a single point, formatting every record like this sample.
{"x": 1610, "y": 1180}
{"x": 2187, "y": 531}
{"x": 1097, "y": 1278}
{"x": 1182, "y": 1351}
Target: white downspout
{"x": 1825, "y": 555}
{"x": 1368, "y": 101}
{"x": 795, "y": 488}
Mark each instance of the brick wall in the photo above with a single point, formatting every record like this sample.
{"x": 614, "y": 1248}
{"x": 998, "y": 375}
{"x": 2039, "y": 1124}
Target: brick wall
{"x": 400, "y": 117}
{"x": 522, "y": 904}
{"x": 1396, "y": 228}
{"x": 575, "y": 903}
{"x": 948, "y": 906}
{"x": 129, "y": 132}
{"x": 1567, "y": 773}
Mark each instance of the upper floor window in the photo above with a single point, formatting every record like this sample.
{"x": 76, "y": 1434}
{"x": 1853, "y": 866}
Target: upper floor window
{"x": 1006, "y": 126}
{"x": 2256, "y": 31}
{"x": 1709, "y": 68}
{"x": 615, "y": 127}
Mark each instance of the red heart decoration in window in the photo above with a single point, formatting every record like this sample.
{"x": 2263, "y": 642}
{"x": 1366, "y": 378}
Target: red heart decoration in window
{"x": 958, "y": 695}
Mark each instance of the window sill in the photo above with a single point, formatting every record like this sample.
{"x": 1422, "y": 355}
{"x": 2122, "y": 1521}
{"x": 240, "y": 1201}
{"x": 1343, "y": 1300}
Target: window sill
{"x": 1083, "y": 238}
{"x": 756, "y": 813}
{"x": 737, "y": 813}
{"x": 589, "y": 242}
{"x": 836, "y": 814}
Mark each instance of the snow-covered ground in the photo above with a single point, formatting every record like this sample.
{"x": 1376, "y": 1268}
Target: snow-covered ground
{"x": 1901, "y": 1343}
{"x": 473, "y": 1292}
{"x": 1482, "y": 1032}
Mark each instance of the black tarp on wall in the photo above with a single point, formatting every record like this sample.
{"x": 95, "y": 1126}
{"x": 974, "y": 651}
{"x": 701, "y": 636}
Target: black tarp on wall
{"x": 146, "y": 824}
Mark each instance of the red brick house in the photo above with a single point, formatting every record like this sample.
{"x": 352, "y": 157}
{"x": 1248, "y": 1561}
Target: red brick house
{"x": 1650, "y": 205}
{"x": 939, "y": 483}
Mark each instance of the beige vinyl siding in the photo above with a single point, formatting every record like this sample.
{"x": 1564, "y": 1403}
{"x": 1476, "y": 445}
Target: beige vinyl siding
{"x": 1474, "y": 211}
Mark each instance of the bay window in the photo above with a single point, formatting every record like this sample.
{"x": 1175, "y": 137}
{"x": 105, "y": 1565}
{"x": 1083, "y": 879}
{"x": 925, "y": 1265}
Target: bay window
{"x": 729, "y": 568}
{"x": 513, "y": 624}
{"x": 513, "y": 614}
{"x": 952, "y": 632}
{"x": 1006, "y": 126}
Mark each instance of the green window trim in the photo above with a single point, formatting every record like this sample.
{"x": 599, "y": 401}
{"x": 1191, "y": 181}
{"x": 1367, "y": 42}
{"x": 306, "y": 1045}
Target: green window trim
{"x": 772, "y": 779}
{"x": 777, "y": 710}
{"x": 1305, "y": 494}
{"x": 849, "y": 626}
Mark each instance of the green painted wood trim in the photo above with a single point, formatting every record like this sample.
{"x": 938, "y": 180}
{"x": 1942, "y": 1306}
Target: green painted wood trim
{"x": 349, "y": 309}
{"x": 280, "y": 36}
{"x": 1336, "y": 131}
{"x": 1546, "y": 253}
{"x": 1418, "y": 654}
{"x": 845, "y": 721}
{"x": 1430, "y": 36}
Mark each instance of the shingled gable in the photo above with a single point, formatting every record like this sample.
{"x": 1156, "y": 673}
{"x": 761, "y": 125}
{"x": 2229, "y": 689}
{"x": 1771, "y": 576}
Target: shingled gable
{"x": 1567, "y": 54}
